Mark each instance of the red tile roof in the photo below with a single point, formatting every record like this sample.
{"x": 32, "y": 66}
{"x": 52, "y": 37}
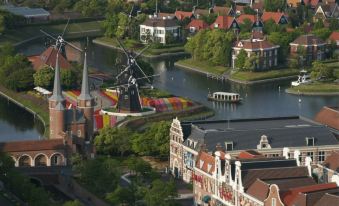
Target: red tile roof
{"x": 259, "y": 190}
{"x": 181, "y": 15}
{"x": 222, "y": 11}
{"x": 198, "y": 24}
{"x": 205, "y": 162}
{"x": 328, "y": 116}
{"x": 276, "y": 16}
{"x": 250, "y": 154}
{"x": 254, "y": 45}
{"x": 32, "y": 145}
{"x": 48, "y": 57}
{"x": 223, "y": 22}
{"x": 242, "y": 17}
{"x": 334, "y": 36}
{"x": 290, "y": 196}
{"x": 161, "y": 15}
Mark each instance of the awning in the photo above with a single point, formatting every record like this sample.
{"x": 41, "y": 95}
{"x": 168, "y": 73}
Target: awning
{"x": 206, "y": 198}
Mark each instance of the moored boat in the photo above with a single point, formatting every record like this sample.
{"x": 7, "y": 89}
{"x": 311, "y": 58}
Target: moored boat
{"x": 303, "y": 78}
{"x": 224, "y": 97}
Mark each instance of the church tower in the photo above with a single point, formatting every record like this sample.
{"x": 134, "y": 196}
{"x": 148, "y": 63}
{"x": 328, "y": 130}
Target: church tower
{"x": 57, "y": 106}
{"x": 86, "y": 102}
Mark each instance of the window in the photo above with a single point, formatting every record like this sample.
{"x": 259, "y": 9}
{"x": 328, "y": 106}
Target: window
{"x": 310, "y": 141}
{"x": 310, "y": 154}
{"x": 79, "y": 133}
{"x": 321, "y": 156}
{"x": 229, "y": 146}
{"x": 274, "y": 201}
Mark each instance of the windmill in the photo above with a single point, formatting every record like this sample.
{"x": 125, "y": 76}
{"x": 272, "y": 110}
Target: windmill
{"x": 60, "y": 42}
{"x": 127, "y": 85}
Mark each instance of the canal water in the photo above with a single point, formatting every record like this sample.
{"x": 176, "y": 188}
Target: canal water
{"x": 263, "y": 100}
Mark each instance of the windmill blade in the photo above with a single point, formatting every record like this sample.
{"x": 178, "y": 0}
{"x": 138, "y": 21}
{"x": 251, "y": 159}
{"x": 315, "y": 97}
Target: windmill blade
{"x": 126, "y": 69}
{"x": 116, "y": 86}
{"x": 123, "y": 48}
{"x": 130, "y": 14}
{"x": 72, "y": 45}
{"x": 63, "y": 33}
{"x": 136, "y": 63}
{"x": 47, "y": 34}
{"x": 142, "y": 51}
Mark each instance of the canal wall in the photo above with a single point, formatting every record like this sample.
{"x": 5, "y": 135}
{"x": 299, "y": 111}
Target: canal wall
{"x": 35, "y": 114}
{"x": 288, "y": 91}
{"x": 222, "y": 77}
{"x": 163, "y": 55}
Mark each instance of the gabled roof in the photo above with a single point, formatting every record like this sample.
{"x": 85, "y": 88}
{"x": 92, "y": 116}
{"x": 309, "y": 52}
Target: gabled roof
{"x": 203, "y": 12}
{"x": 308, "y": 39}
{"x": 222, "y": 11}
{"x": 275, "y": 16}
{"x": 329, "y": 10}
{"x": 181, "y": 15}
{"x": 205, "y": 162}
{"x": 161, "y": 15}
{"x": 242, "y": 17}
{"x": 198, "y": 24}
{"x": 334, "y": 36}
{"x": 160, "y": 22}
{"x": 285, "y": 184}
{"x": 223, "y": 22}
{"x": 254, "y": 44}
{"x": 329, "y": 116}
{"x": 291, "y": 196}
{"x": 48, "y": 57}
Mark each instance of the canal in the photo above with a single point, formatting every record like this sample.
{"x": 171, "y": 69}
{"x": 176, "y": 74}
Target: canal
{"x": 263, "y": 100}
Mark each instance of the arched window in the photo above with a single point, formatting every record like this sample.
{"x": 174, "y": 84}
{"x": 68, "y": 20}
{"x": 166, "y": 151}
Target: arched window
{"x": 40, "y": 160}
{"x": 25, "y": 161}
{"x": 56, "y": 160}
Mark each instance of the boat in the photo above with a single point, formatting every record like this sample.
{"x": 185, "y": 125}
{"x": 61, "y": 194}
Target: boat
{"x": 303, "y": 78}
{"x": 224, "y": 97}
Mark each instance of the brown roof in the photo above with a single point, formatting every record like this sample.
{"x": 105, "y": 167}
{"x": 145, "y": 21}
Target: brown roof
{"x": 222, "y": 11}
{"x": 288, "y": 183}
{"x": 250, "y": 176}
{"x": 276, "y": 16}
{"x": 308, "y": 39}
{"x": 203, "y": 12}
{"x": 223, "y": 22}
{"x": 181, "y": 15}
{"x": 198, "y": 24}
{"x": 48, "y": 57}
{"x": 31, "y": 145}
{"x": 160, "y": 22}
{"x": 259, "y": 190}
{"x": 242, "y": 18}
{"x": 291, "y": 196}
{"x": 328, "y": 116}
{"x": 250, "y": 154}
{"x": 332, "y": 161}
{"x": 205, "y": 162}
{"x": 161, "y": 15}
{"x": 334, "y": 36}
{"x": 254, "y": 45}
{"x": 257, "y": 34}
{"x": 328, "y": 199}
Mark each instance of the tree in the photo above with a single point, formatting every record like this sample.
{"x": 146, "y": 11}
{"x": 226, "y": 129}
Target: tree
{"x": 270, "y": 26}
{"x": 209, "y": 19}
{"x": 159, "y": 192}
{"x": 123, "y": 24}
{"x": 2, "y": 24}
{"x": 274, "y": 5}
{"x": 318, "y": 25}
{"x": 110, "y": 24}
{"x": 246, "y": 26}
{"x": 20, "y": 80}
{"x": 72, "y": 203}
{"x": 322, "y": 33}
{"x": 249, "y": 10}
{"x": 250, "y": 63}
{"x": 44, "y": 78}
{"x": 334, "y": 24}
{"x": 241, "y": 58}
{"x": 283, "y": 40}
{"x": 90, "y": 7}
{"x": 68, "y": 78}
{"x": 321, "y": 71}
{"x": 113, "y": 141}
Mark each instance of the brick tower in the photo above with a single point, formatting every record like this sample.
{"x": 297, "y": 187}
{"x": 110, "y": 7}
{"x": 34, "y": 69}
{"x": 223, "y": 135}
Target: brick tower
{"x": 86, "y": 102}
{"x": 57, "y": 106}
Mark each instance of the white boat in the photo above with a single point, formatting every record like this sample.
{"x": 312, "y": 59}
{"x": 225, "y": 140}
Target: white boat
{"x": 303, "y": 78}
{"x": 224, "y": 97}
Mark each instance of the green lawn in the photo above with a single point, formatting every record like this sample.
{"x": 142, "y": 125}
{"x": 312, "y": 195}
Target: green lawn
{"x": 203, "y": 66}
{"x": 15, "y": 36}
{"x": 137, "y": 46}
{"x": 254, "y": 76}
{"x": 316, "y": 87}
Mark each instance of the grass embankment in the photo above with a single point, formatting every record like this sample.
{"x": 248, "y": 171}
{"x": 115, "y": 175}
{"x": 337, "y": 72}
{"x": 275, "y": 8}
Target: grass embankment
{"x": 137, "y": 46}
{"x": 255, "y": 76}
{"x": 316, "y": 87}
{"x": 203, "y": 67}
{"x": 34, "y": 102}
{"x": 74, "y": 30}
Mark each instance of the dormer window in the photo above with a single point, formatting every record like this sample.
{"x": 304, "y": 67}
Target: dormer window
{"x": 310, "y": 141}
{"x": 229, "y": 146}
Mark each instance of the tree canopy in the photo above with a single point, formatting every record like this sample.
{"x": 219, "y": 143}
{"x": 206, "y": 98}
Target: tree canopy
{"x": 274, "y": 5}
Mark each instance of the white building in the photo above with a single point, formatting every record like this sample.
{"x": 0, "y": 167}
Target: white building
{"x": 157, "y": 29}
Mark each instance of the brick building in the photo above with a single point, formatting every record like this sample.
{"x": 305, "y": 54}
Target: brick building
{"x": 309, "y": 48}
{"x": 273, "y": 137}
{"x": 266, "y": 52}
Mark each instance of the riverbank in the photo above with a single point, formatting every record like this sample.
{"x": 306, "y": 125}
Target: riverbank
{"x": 29, "y": 33}
{"x": 150, "y": 53}
{"x": 315, "y": 89}
{"x": 201, "y": 67}
{"x": 33, "y": 104}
